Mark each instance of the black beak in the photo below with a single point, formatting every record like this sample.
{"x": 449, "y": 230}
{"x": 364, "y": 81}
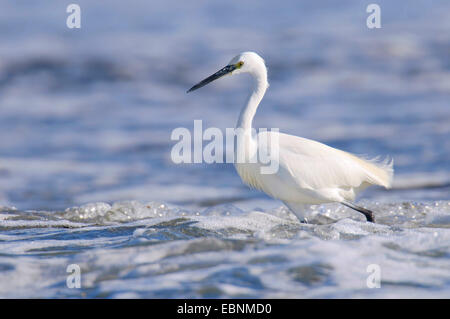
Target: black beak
{"x": 224, "y": 71}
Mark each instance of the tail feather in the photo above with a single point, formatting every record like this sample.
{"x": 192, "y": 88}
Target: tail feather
{"x": 380, "y": 172}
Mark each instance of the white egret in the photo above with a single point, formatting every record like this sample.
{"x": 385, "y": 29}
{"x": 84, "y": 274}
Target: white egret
{"x": 309, "y": 172}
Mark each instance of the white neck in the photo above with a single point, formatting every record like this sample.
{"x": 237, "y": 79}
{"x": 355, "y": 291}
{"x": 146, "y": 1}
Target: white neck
{"x": 259, "y": 89}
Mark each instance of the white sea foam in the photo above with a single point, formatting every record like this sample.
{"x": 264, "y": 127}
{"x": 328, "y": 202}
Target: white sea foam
{"x": 159, "y": 250}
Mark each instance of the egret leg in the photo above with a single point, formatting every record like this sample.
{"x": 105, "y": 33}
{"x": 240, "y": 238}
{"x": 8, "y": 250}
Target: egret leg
{"x": 365, "y": 212}
{"x": 298, "y": 210}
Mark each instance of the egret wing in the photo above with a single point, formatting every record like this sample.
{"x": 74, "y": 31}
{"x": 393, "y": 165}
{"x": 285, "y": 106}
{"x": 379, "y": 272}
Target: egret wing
{"x": 313, "y": 165}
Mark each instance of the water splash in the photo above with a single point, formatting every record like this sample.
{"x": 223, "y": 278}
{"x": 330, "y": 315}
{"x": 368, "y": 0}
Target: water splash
{"x": 159, "y": 250}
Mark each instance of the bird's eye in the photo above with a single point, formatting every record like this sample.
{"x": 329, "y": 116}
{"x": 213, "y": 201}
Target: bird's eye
{"x": 239, "y": 64}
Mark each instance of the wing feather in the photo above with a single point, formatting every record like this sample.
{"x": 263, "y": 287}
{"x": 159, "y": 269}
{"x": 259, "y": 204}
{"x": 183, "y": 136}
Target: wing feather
{"x": 314, "y": 165}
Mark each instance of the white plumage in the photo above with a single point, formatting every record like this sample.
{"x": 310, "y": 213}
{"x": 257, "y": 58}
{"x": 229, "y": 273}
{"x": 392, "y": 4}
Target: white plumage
{"x": 309, "y": 172}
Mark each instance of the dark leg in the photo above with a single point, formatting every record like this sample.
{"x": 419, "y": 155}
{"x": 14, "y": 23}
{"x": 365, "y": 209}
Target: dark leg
{"x": 365, "y": 212}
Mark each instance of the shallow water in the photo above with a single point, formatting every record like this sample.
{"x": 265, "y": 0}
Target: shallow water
{"x": 86, "y": 117}
{"x": 155, "y": 250}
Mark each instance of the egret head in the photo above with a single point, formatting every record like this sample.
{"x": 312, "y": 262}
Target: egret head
{"x": 246, "y": 62}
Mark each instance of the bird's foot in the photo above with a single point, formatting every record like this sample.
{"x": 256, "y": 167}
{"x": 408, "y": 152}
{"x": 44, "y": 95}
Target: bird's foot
{"x": 369, "y": 216}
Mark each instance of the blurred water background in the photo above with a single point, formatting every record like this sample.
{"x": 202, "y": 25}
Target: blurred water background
{"x": 85, "y": 170}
